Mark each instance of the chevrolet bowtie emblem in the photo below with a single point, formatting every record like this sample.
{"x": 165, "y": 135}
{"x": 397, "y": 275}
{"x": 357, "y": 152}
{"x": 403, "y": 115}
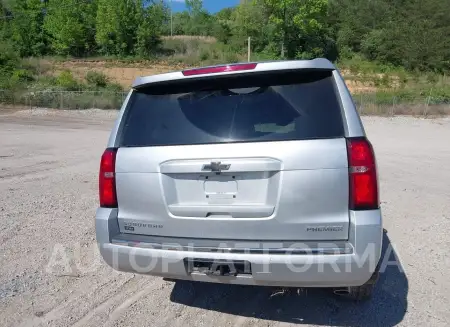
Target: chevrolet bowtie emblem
{"x": 215, "y": 166}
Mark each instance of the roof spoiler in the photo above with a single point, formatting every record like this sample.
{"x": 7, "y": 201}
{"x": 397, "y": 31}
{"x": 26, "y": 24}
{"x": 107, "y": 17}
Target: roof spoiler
{"x": 222, "y": 70}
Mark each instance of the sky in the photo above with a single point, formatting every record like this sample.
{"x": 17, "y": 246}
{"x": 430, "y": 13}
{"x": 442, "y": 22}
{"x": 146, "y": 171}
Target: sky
{"x": 211, "y": 5}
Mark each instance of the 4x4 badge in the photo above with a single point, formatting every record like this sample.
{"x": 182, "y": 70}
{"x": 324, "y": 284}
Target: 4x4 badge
{"x": 216, "y": 166}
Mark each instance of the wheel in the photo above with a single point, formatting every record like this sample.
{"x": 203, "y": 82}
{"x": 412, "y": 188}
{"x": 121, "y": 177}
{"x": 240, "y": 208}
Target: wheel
{"x": 361, "y": 293}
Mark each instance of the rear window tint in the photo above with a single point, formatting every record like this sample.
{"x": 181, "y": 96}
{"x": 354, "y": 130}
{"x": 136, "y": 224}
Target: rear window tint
{"x": 250, "y": 108}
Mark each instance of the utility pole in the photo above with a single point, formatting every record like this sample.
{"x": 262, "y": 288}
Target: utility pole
{"x": 284, "y": 31}
{"x": 249, "y": 50}
{"x": 171, "y": 19}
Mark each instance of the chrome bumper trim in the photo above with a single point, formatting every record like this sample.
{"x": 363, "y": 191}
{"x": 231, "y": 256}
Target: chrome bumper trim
{"x": 288, "y": 251}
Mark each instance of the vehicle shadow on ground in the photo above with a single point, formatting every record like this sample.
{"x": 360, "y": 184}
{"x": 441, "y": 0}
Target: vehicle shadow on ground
{"x": 308, "y": 306}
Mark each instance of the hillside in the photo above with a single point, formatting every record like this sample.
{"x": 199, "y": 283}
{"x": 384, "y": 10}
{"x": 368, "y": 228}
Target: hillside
{"x": 124, "y": 73}
{"x": 407, "y": 34}
{"x": 390, "y": 52}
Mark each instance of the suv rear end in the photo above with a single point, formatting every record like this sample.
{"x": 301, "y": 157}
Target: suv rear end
{"x": 255, "y": 174}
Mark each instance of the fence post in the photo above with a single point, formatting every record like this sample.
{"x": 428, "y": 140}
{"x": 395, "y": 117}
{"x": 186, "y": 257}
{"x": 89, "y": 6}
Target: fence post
{"x": 393, "y": 106}
{"x": 361, "y": 104}
{"x": 427, "y": 104}
{"x": 425, "y": 112}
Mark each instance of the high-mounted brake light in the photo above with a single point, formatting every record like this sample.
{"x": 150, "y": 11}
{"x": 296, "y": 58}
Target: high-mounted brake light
{"x": 363, "y": 175}
{"x": 219, "y": 69}
{"x": 107, "y": 179}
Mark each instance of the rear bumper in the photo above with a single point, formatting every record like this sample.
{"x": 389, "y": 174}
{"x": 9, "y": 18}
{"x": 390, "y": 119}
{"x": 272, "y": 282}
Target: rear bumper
{"x": 352, "y": 267}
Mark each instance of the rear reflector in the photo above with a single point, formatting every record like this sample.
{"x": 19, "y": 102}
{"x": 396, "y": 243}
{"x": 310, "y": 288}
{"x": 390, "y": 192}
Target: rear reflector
{"x": 363, "y": 175}
{"x": 107, "y": 179}
{"x": 219, "y": 69}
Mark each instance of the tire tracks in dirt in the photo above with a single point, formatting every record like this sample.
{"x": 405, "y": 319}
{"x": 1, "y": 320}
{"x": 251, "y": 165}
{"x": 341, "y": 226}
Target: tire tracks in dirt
{"x": 117, "y": 298}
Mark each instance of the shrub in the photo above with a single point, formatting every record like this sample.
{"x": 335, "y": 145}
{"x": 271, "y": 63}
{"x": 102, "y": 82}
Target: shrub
{"x": 45, "y": 82}
{"x": 432, "y": 78}
{"x": 185, "y": 60}
{"x": 230, "y": 57}
{"x": 37, "y": 66}
{"x": 183, "y": 46}
{"x": 114, "y": 87}
{"x": 21, "y": 76}
{"x": 402, "y": 78}
{"x": 175, "y": 46}
{"x": 386, "y": 80}
{"x": 66, "y": 80}
{"x": 9, "y": 61}
{"x": 96, "y": 79}
{"x": 205, "y": 54}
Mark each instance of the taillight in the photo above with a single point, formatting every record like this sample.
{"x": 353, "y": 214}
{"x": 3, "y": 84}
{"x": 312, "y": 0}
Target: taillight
{"x": 363, "y": 175}
{"x": 219, "y": 69}
{"x": 107, "y": 179}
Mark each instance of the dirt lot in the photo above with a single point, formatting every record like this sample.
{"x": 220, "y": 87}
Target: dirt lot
{"x": 125, "y": 73}
{"x": 51, "y": 274}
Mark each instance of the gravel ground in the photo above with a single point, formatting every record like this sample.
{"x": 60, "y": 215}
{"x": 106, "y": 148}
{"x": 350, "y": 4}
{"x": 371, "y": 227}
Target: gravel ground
{"x": 51, "y": 273}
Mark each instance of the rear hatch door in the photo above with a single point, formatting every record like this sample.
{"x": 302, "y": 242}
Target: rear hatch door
{"x": 249, "y": 157}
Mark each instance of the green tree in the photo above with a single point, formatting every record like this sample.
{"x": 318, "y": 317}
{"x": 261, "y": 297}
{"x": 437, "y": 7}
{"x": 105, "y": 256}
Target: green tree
{"x": 352, "y": 22}
{"x": 70, "y": 25}
{"x": 200, "y": 22}
{"x": 117, "y": 25}
{"x": 222, "y": 32}
{"x": 250, "y": 19}
{"x": 181, "y": 20}
{"x": 300, "y": 27}
{"x": 408, "y": 33}
{"x": 194, "y": 7}
{"x": 225, "y": 14}
{"x": 150, "y": 27}
{"x": 26, "y": 27}
{"x": 9, "y": 61}
{"x": 222, "y": 25}
{"x": 6, "y": 13}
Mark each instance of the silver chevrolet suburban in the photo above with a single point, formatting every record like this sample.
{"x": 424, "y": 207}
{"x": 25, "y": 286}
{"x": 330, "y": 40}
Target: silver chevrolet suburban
{"x": 254, "y": 173}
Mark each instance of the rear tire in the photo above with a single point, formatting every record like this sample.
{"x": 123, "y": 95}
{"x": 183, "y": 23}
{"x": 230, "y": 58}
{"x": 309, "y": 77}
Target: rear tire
{"x": 361, "y": 293}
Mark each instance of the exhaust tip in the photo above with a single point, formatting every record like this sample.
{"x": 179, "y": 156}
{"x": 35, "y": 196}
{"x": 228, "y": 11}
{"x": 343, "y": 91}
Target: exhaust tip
{"x": 343, "y": 291}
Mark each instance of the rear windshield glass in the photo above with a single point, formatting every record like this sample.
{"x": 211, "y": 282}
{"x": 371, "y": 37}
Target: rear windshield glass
{"x": 250, "y": 108}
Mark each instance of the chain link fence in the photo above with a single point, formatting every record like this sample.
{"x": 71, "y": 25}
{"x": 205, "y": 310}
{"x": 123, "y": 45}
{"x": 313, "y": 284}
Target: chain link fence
{"x": 367, "y": 103}
{"x": 71, "y": 100}
{"x": 385, "y": 104}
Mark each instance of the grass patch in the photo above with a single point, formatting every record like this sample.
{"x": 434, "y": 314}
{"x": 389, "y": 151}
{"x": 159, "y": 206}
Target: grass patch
{"x": 32, "y": 85}
{"x": 198, "y": 52}
{"x": 417, "y": 110}
{"x": 404, "y": 102}
{"x": 77, "y": 99}
{"x": 387, "y": 77}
